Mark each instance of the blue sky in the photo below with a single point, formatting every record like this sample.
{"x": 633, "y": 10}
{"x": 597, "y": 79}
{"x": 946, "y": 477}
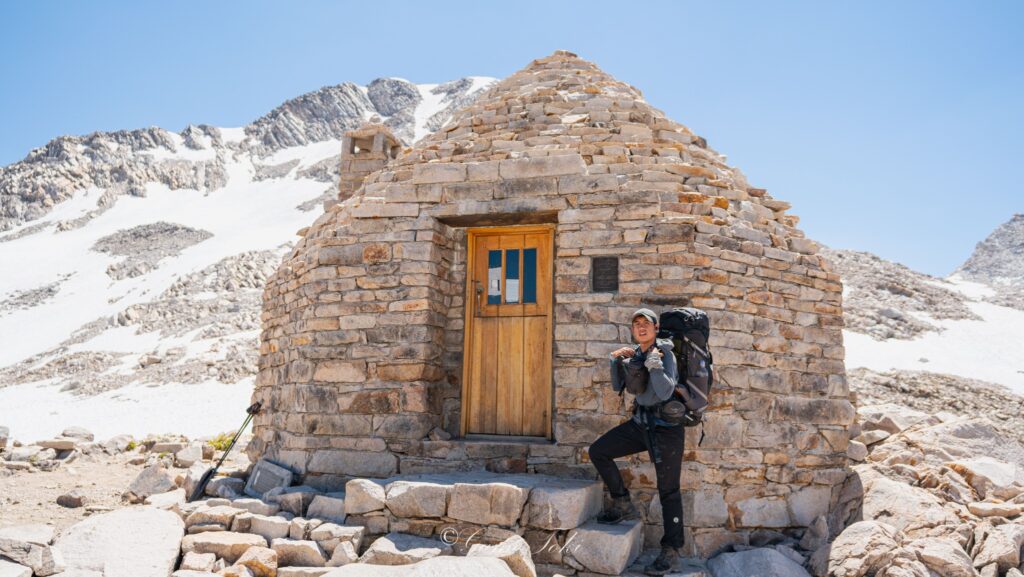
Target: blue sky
{"x": 892, "y": 127}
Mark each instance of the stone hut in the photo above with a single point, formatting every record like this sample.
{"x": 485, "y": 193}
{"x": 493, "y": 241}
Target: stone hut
{"x": 455, "y": 313}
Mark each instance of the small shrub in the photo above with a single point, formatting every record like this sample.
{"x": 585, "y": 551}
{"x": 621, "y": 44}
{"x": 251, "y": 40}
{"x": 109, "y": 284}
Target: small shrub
{"x": 221, "y": 441}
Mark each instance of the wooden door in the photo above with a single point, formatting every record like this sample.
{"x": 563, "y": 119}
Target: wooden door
{"x": 507, "y": 351}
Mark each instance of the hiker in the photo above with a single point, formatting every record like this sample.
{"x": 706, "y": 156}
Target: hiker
{"x": 648, "y": 370}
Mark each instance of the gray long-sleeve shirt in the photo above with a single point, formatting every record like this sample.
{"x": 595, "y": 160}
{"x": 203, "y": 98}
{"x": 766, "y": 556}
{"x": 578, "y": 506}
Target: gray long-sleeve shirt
{"x": 662, "y": 382}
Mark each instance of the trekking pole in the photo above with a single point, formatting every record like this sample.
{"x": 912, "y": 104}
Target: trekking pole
{"x": 253, "y": 410}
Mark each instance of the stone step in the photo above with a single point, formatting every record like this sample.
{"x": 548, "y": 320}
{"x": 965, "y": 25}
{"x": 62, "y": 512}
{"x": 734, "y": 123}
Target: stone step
{"x": 538, "y": 501}
{"x": 607, "y": 549}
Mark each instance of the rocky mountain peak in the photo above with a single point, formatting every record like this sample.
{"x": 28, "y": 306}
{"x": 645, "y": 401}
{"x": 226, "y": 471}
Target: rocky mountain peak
{"x": 999, "y": 259}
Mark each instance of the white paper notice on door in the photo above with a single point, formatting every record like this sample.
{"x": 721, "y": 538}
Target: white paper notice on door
{"x": 494, "y": 282}
{"x": 511, "y": 290}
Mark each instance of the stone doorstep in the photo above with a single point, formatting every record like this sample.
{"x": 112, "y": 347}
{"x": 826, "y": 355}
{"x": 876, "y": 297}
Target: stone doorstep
{"x": 552, "y": 502}
{"x": 607, "y": 549}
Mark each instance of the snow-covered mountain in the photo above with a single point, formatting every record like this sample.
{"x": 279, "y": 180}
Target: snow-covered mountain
{"x": 134, "y": 260}
{"x": 968, "y": 325}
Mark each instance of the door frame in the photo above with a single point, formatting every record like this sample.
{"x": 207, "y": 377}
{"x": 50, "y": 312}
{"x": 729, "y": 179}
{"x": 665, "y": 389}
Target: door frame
{"x": 467, "y": 326}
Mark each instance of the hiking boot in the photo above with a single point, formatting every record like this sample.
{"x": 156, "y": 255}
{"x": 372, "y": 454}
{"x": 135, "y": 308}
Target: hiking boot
{"x": 663, "y": 564}
{"x": 622, "y": 508}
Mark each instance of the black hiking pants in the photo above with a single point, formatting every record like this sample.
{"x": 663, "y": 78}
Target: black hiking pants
{"x": 629, "y": 438}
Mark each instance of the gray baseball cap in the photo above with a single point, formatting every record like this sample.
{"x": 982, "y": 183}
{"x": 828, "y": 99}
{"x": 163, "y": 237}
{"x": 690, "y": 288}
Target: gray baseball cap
{"x": 651, "y": 315}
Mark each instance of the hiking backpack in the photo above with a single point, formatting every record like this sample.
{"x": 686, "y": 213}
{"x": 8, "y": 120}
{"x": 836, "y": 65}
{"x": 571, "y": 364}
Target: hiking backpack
{"x": 689, "y": 330}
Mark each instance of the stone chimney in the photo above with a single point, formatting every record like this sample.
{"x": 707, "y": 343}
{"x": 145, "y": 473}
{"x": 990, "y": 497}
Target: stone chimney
{"x": 366, "y": 149}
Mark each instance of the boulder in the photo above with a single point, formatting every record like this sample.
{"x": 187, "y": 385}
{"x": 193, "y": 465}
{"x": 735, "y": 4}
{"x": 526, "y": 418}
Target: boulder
{"x": 514, "y": 551}
{"x": 943, "y": 556}
{"x": 80, "y": 433}
{"x": 73, "y": 499}
{"x": 237, "y": 571}
{"x": 986, "y": 475}
{"x": 343, "y": 554}
{"x": 295, "y": 553}
{"x": 193, "y": 561}
{"x": 761, "y": 562}
{"x": 330, "y": 535}
{"x": 256, "y": 506}
{"x": 270, "y": 528}
{"x": 861, "y": 549}
{"x": 364, "y": 496}
{"x": 856, "y": 450}
{"x": 220, "y": 515}
{"x": 194, "y": 475}
{"x": 262, "y": 561}
{"x": 225, "y": 487}
{"x": 403, "y": 549}
{"x": 294, "y": 500}
{"x": 890, "y": 418}
{"x": 417, "y": 499}
{"x": 1002, "y": 547}
{"x": 152, "y": 480}
{"x": 301, "y": 571}
{"x": 985, "y": 509}
{"x": 59, "y": 444}
{"x": 300, "y": 528}
{"x": 171, "y": 500}
{"x": 904, "y": 507}
{"x": 487, "y": 503}
{"x": 188, "y": 456}
{"x": 446, "y": 566}
{"x": 132, "y": 542}
{"x": 11, "y": 569}
{"x": 5, "y": 433}
{"x": 266, "y": 476}
{"x": 117, "y": 444}
{"x": 224, "y": 544}
{"x": 605, "y": 548}
{"x": 29, "y": 545}
{"x": 329, "y": 507}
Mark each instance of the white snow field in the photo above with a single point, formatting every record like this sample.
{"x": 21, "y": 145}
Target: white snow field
{"x": 991, "y": 349}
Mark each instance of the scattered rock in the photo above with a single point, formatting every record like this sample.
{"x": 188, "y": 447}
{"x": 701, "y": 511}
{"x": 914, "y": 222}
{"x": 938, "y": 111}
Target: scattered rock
{"x": 188, "y": 456}
{"x": 72, "y": 499}
{"x": 294, "y": 553}
{"x": 445, "y": 566}
{"x": 863, "y": 548}
{"x": 344, "y": 553}
{"x": 300, "y": 528}
{"x": 257, "y": 506}
{"x": 262, "y": 561}
{"x": 364, "y": 496}
{"x": 10, "y": 569}
{"x": 514, "y": 551}
{"x": 942, "y": 556}
{"x": 269, "y": 527}
{"x": 330, "y": 535}
{"x": 193, "y": 561}
{"x": 29, "y": 545}
{"x": 329, "y": 507}
{"x": 226, "y": 545}
{"x": 403, "y": 549}
{"x": 1002, "y": 547}
{"x": 80, "y": 433}
{"x": 983, "y": 509}
{"x": 762, "y": 562}
{"x": 151, "y": 481}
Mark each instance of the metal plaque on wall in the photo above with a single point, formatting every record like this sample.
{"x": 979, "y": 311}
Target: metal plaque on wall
{"x": 604, "y": 274}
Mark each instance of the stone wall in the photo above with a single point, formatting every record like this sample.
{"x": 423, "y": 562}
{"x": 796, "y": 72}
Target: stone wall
{"x": 361, "y": 350}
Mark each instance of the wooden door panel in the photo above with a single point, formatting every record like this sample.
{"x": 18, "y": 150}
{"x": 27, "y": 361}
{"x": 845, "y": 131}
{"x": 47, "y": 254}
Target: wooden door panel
{"x": 509, "y": 358}
{"x": 483, "y": 391}
{"x": 507, "y": 377}
{"x": 537, "y": 376}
